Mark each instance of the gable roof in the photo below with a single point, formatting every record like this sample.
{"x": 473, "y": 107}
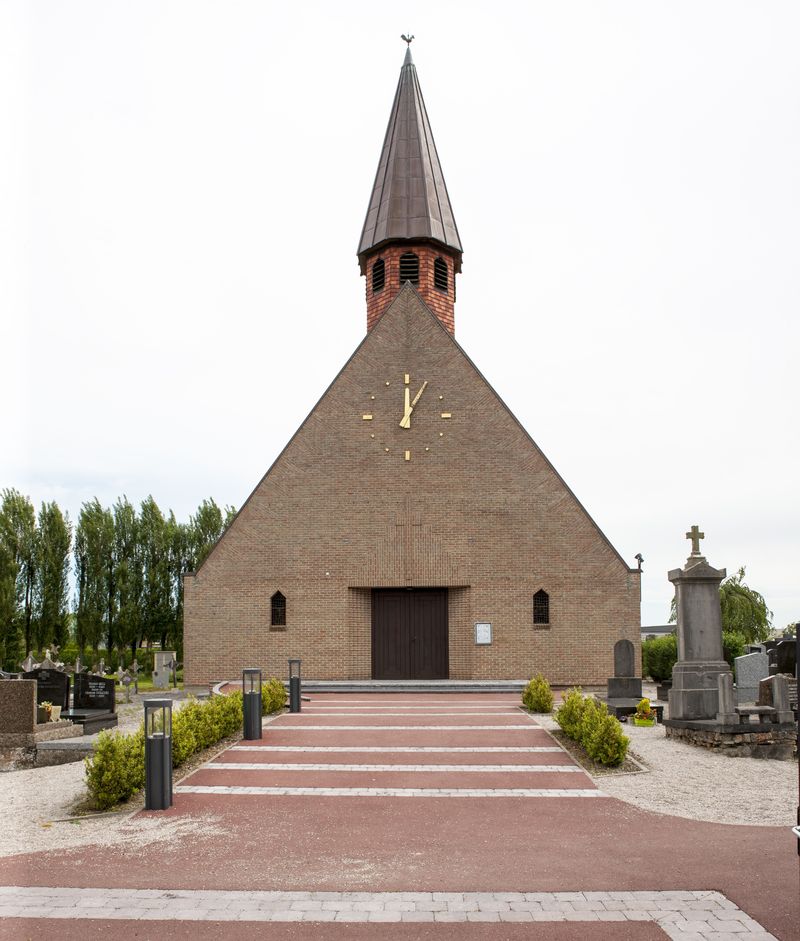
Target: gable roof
{"x": 409, "y": 294}
{"x": 409, "y": 197}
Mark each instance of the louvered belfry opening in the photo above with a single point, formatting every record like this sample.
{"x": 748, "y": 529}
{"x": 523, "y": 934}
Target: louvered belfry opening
{"x": 378, "y": 276}
{"x": 409, "y": 224}
{"x": 440, "y": 278}
{"x": 409, "y": 268}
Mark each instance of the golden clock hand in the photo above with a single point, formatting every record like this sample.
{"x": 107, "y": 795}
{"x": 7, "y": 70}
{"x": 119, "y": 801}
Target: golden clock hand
{"x": 405, "y": 421}
{"x": 417, "y": 396}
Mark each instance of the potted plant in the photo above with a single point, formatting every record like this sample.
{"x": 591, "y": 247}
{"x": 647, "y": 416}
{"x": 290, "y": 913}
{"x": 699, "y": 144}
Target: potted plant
{"x": 45, "y": 711}
{"x": 644, "y": 714}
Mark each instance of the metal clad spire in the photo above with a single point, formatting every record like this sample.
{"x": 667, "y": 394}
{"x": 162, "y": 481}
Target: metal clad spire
{"x": 409, "y": 197}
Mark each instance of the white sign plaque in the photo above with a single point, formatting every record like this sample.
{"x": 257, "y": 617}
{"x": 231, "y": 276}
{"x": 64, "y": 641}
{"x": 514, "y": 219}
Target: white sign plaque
{"x": 483, "y": 633}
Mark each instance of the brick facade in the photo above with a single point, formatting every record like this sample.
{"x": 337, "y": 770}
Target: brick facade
{"x": 440, "y": 302}
{"x": 476, "y": 507}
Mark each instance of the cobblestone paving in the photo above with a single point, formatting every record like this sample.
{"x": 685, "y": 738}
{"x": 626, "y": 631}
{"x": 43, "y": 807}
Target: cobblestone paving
{"x": 683, "y": 916}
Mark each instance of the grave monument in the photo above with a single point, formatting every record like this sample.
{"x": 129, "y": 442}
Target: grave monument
{"x": 702, "y": 708}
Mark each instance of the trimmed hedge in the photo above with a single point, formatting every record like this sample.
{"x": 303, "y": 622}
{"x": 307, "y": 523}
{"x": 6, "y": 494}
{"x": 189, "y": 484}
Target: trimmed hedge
{"x": 537, "y": 695}
{"x": 586, "y": 720}
{"x": 115, "y": 771}
{"x": 660, "y": 655}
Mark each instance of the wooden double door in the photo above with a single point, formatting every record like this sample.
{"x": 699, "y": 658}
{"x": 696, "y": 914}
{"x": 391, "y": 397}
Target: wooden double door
{"x": 409, "y": 634}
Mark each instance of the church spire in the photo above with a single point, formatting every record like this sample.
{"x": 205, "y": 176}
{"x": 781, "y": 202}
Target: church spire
{"x": 410, "y": 232}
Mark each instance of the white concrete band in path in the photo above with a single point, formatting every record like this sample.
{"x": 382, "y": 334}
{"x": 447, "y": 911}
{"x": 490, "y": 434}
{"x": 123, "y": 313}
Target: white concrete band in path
{"x": 405, "y": 749}
{"x": 233, "y": 789}
{"x": 399, "y": 712}
{"x": 332, "y": 766}
{"x": 682, "y": 916}
{"x": 274, "y": 727}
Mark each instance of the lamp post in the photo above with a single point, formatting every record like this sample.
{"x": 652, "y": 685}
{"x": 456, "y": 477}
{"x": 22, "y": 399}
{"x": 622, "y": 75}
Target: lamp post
{"x": 294, "y": 685}
{"x": 157, "y": 754}
{"x": 251, "y": 704}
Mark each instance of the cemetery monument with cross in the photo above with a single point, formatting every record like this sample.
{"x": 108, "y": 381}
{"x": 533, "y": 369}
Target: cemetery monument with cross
{"x": 702, "y": 707}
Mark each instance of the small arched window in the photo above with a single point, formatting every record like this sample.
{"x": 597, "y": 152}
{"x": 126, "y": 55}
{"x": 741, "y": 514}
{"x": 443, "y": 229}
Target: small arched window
{"x": 278, "y": 610}
{"x": 440, "y": 276}
{"x": 541, "y": 607}
{"x": 378, "y": 276}
{"x": 409, "y": 268}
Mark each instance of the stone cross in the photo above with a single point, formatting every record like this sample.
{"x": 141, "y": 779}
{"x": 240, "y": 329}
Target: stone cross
{"x": 28, "y": 664}
{"x": 695, "y": 535}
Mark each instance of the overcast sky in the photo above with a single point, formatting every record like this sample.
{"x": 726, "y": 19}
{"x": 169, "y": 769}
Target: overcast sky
{"x": 183, "y": 186}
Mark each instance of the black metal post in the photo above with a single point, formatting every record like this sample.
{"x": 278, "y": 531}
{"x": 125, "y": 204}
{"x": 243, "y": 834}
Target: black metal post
{"x": 797, "y": 677}
{"x": 294, "y": 686}
{"x": 157, "y": 754}
{"x": 251, "y": 704}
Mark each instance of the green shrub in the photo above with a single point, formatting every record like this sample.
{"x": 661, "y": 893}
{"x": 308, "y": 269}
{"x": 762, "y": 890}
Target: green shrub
{"x": 606, "y": 742}
{"x": 733, "y": 645}
{"x": 537, "y": 695}
{"x": 659, "y": 656}
{"x": 586, "y": 720}
{"x": 570, "y": 713}
{"x": 116, "y": 769}
{"x": 273, "y": 696}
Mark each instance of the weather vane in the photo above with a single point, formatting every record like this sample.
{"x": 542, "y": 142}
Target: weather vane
{"x": 407, "y": 39}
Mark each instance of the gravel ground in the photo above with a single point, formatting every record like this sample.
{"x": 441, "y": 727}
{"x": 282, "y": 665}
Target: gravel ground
{"x": 685, "y": 781}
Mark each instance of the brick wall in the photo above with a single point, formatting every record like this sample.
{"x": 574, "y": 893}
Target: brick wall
{"x": 476, "y": 508}
{"x": 441, "y": 303}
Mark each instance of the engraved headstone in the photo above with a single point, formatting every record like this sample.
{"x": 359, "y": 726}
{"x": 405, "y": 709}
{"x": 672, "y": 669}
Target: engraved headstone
{"x": 93, "y": 692}
{"x": 750, "y": 670}
{"x": 624, "y": 684}
{"x": 51, "y": 686}
{"x": 786, "y": 657}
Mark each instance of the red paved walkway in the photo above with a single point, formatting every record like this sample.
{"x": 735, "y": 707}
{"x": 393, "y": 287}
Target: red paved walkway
{"x": 378, "y": 844}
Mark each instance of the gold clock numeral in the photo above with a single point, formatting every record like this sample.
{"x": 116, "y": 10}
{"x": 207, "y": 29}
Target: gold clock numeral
{"x": 408, "y": 455}
{"x": 369, "y": 417}
{"x": 446, "y": 415}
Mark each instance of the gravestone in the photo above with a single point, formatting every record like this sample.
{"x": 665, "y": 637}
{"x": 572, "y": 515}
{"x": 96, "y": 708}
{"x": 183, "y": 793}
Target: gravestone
{"x": 51, "y": 686}
{"x": 750, "y": 670}
{"x": 162, "y": 668}
{"x": 786, "y": 657}
{"x": 624, "y": 684}
{"x": 93, "y": 692}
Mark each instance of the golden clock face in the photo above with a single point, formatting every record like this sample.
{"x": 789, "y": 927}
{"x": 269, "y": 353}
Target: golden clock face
{"x": 405, "y": 416}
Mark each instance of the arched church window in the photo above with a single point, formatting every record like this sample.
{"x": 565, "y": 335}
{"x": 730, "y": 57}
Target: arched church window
{"x": 440, "y": 277}
{"x": 409, "y": 268}
{"x": 278, "y": 610}
{"x": 378, "y": 276}
{"x": 541, "y": 607}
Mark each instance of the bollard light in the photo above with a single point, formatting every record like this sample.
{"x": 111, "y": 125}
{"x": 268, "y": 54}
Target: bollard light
{"x": 294, "y": 685}
{"x": 157, "y": 754}
{"x": 251, "y": 704}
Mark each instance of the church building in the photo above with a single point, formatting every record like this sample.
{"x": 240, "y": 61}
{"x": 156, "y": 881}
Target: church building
{"x": 411, "y": 528}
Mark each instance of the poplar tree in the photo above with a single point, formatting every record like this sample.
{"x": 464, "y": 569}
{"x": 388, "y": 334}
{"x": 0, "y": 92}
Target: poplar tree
{"x": 156, "y": 585}
{"x": 127, "y": 575}
{"x": 19, "y": 537}
{"x": 9, "y": 629}
{"x": 94, "y": 546}
{"x": 52, "y": 576}
{"x": 206, "y": 526}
